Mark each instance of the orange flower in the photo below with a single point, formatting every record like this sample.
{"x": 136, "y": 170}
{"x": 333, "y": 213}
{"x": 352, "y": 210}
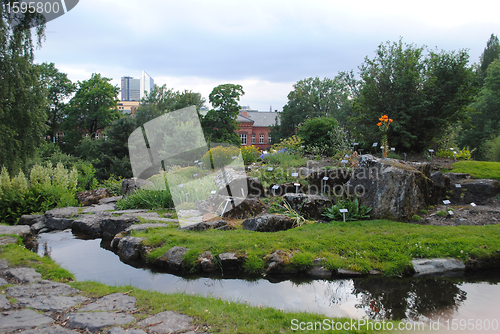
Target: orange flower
{"x": 379, "y": 124}
{"x": 390, "y": 120}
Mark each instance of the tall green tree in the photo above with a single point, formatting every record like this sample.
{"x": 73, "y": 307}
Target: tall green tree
{"x": 219, "y": 124}
{"x": 490, "y": 53}
{"x": 22, "y": 98}
{"x": 93, "y": 108}
{"x": 58, "y": 88}
{"x": 484, "y": 121}
{"x": 424, "y": 92}
{"x": 313, "y": 97}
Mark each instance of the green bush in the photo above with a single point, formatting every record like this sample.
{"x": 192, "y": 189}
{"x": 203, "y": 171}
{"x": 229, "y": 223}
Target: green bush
{"x": 416, "y": 218}
{"x": 318, "y": 132}
{"x": 463, "y": 154}
{"x": 249, "y": 154}
{"x": 355, "y": 210}
{"x": 220, "y": 156}
{"x": 114, "y": 185}
{"x": 441, "y": 213}
{"x": 492, "y": 149}
{"x": 46, "y": 188}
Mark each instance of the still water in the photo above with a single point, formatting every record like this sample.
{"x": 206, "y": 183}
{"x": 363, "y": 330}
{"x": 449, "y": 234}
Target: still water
{"x": 470, "y": 297}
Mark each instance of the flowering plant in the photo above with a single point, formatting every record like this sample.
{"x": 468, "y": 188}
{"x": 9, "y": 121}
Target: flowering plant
{"x": 383, "y": 125}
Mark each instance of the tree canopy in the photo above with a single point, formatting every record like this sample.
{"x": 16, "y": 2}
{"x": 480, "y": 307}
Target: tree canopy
{"x": 22, "y": 98}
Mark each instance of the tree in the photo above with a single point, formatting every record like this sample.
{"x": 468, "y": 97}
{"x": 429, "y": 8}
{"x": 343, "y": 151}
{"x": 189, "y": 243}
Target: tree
{"x": 93, "y": 108}
{"x": 316, "y": 132}
{"x": 484, "y": 121}
{"x": 22, "y": 98}
{"x": 58, "y": 88}
{"x": 313, "y": 97}
{"x": 423, "y": 92}
{"x": 219, "y": 124}
{"x": 490, "y": 53}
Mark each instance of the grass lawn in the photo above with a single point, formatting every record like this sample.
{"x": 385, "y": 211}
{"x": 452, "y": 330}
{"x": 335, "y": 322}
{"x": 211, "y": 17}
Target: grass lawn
{"x": 478, "y": 169}
{"x": 363, "y": 245}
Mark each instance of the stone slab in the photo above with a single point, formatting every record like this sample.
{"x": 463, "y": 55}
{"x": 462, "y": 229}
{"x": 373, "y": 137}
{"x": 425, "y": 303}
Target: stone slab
{"x": 119, "y": 330}
{"x": 167, "y": 322}
{"x": 94, "y": 321}
{"x": 49, "y": 330}
{"x": 4, "y": 264}
{"x": 113, "y": 302}
{"x": 112, "y": 199}
{"x": 42, "y": 288}
{"x": 23, "y": 275}
{"x": 123, "y": 212}
{"x": 4, "y": 302}
{"x": 99, "y": 208}
{"x": 437, "y": 266}
{"x": 12, "y": 320}
{"x": 3, "y": 282}
{"x": 51, "y": 303}
{"x": 145, "y": 226}
{"x": 20, "y": 230}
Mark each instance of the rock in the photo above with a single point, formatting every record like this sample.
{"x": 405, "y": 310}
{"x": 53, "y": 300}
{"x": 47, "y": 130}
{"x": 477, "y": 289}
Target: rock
{"x": 440, "y": 185}
{"x": 172, "y": 259}
{"x": 336, "y": 178}
{"x": 131, "y": 211}
{"x": 110, "y": 226}
{"x": 393, "y": 189}
{"x": 3, "y": 263}
{"x": 458, "y": 177}
{"x": 319, "y": 272}
{"x": 55, "y": 329}
{"x": 145, "y": 226}
{"x": 51, "y": 303}
{"x": 255, "y": 187}
{"x": 3, "y": 282}
{"x": 113, "y": 302}
{"x": 7, "y": 240}
{"x": 14, "y": 320}
{"x": 89, "y": 225}
{"x": 167, "y": 322}
{"x": 108, "y": 200}
{"x": 23, "y": 231}
{"x": 90, "y": 197}
{"x": 348, "y": 273}
{"x": 231, "y": 261}
{"x": 103, "y": 225}
{"x": 310, "y": 206}
{"x": 23, "y": 275}
{"x": 131, "y": 185}
{"x": 4, "y": 303}
{"x": 437, "y": 266}
{"x": 120, "y": 330}
{"x": 479, "y": 191}
{"x": 244, "y": 207}
{"x": 99, "y": 208}
{"x": 189, "y": 217}
{"x": 37, "y": 227}
{"x": 277, "y": 262}
{"x": 207, "y": 262}
{"x": 129, "y": 248}
{"x": 268, "y": 223}
{"x": 42, "y": 288}
{"x": 61, "y": 218}
{"x": 203, "y": 226}
{"x": 94, "y": 321}
{"x": 30, "y": 219}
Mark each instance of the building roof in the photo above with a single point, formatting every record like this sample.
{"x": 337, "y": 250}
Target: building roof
{"x": 260, "y": 118}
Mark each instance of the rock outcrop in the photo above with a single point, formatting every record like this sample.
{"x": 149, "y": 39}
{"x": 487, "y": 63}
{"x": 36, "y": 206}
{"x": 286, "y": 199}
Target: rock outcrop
{"x": 89, "y": 197}
{"x": 310, "y": 206}
{"x": 268, "y": 223}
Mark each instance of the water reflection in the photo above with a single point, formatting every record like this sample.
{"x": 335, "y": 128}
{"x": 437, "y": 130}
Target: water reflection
{"x": 372, "y": 297}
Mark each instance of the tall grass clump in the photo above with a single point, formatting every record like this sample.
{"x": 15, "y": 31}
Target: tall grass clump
{"x": 47, "y": 187}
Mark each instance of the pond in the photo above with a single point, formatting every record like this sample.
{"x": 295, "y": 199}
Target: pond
{"x": 413, "y": 299}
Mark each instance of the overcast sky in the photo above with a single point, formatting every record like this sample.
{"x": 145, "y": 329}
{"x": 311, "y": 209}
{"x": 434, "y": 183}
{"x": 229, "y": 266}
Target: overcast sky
{"x": 266, "y": 46}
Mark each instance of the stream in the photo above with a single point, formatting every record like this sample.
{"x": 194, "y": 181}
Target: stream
{"x": 413, "y": 299}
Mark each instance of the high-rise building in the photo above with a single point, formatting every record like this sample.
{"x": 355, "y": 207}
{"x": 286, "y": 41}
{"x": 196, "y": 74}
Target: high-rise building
{"x": 147, "y": 84}
{"x": 131, "y": 89}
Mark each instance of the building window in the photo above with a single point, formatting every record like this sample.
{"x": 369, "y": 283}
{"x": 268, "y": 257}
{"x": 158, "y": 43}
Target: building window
{"x": 253, "y": 138}
{"x": 243, "y": 138}
{"x": 261, "y": 139}
{"x": 269, "y": 138}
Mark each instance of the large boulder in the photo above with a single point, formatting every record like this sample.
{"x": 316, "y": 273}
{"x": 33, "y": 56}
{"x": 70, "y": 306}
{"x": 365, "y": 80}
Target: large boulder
{"x": 245, "y": 207}
{"x": 310, "y": 206}
{"x": 89, "y": 197}
{"x": 172, "y": 259}
{"x": 479, "y": 191}
{"x": 336, "y": 178}
{"x": 268, "y": 223}
{"x": 60, "y": 218}
{"x": 129, "y": 248}
{"x": 278, "y": 262}
{"x": 393, "y": 189}
{"x": 103, "y": 225}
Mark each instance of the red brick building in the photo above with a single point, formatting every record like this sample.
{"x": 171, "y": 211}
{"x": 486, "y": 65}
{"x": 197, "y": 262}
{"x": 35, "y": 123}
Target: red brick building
{"x": 254, "y": 128}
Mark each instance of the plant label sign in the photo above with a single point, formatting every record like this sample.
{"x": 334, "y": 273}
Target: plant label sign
{"x": 473, "y": 204}
{"x": 458, "y": 185}
{"x": 295, "y": 174}
{"x": 276, "y": 187}
{"x": 446, "y": 202}
{"x": 344, "y": 161}
{"x": 343, "y": 210}
{"x": 325, "y": 178}
{"x": 450, "y": 212}
{"x": 374, "y": 144}
{"x": 270, "y": 169}
{"x": 213, "y": 192}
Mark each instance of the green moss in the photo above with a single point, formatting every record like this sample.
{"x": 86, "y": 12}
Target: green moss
{"x": 478, "y": 169}
{"x": 416, "y": 218}
{"x": 441, "y": 213}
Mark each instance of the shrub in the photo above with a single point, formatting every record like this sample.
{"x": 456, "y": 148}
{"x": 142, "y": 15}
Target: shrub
{"x": 284, "y": 159}
{"x": 355, "y": 210}
{"x": 463, "y": 154}
{"x": 114, "y": 185}
{"x": 292, "y": 144}
{"x": 220, "y": 156}
{"x": 249, "y": 154}
{"x": 416, "y": 218}
{"x": 492, "y": 149}
{"x": 441, "y": 213}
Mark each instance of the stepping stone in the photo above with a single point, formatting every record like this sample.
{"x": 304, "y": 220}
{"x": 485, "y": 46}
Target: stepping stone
{"x": 94, "y": 321}
{"x": 23, "y": 275}
{"x": 145, "y": 226}
{"x": 99, "y": 208}
{"x": 131, "y": 211}
{"x": 49, "y": 330}
{"x": 4, "y": 264}
{"x": 7, "y": 241}
{"x": 437, "y": 266}
{"x": 166, "y": 322}
{"x": 21, "y": 230}
{"x": 119, "y": 330}
{"x": 3, "y": 282}
{"x": 12, "y": 320}
{"x": 4, "y": 302}
{"x": 42, "y": 288}
{"x": 112, "y": 199}
{"x": 51, "y": 303}
{"x": 113, "y": 302}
